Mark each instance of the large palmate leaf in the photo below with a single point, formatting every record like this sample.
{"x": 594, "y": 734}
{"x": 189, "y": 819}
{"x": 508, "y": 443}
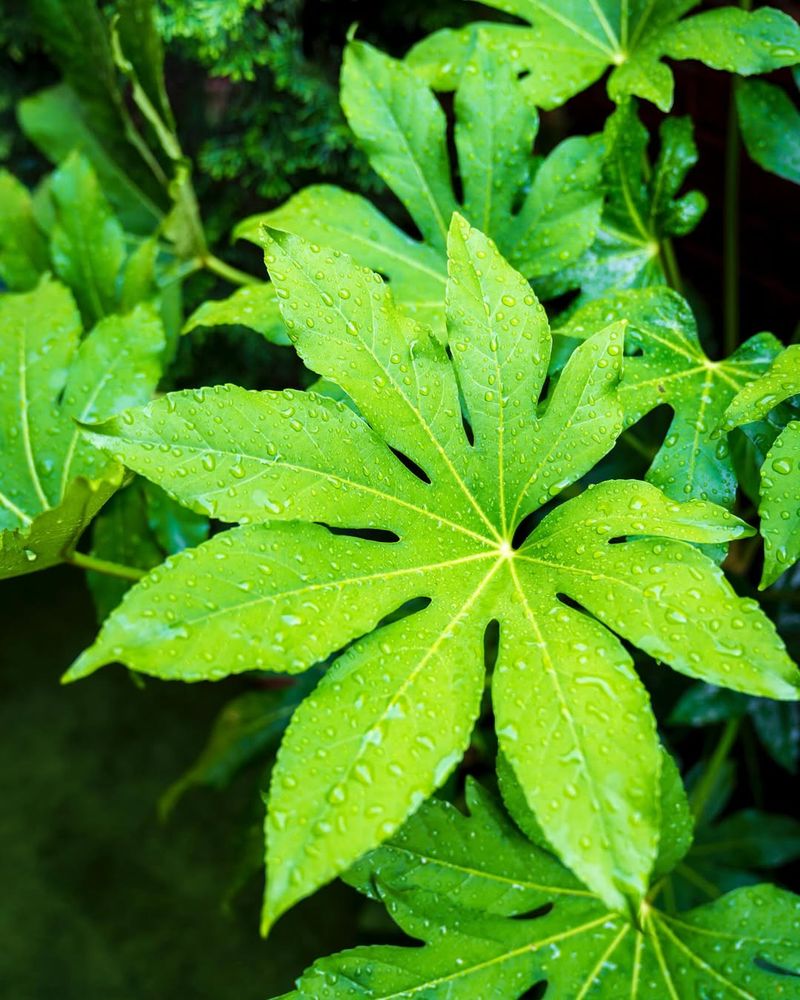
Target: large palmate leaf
{"x": 671, "y": 367}
{"x": 53, "y": 481}
{"x": 642, "y": 210}
{"x": 570, "y": 45}
{"x": 542, "y": 213}
{"x": 465, "y": 884}
{"x": 779, "y": 506}
{"x": 396, "y": 709}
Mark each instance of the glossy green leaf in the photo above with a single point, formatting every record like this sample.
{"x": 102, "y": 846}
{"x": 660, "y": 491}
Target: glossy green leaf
{"x": 463, "y": 886}
{"x": 677, "y": 823}
{"x": 397, "y": 707}
{"x": 542, "y": 214}
{"x": 24, "y": 254}
{"x": 253, "y": 306}
{"x": 780, "y": 382}
{"x": 53, "y": 480}
{"x": 642, "y": 210}
{"x": 770, "y": 125}
{"x": 87, "y": 242}
{"x": 779, "y": 505}
{"x": 569, "y": 46}
{"x": 673, "y": 369}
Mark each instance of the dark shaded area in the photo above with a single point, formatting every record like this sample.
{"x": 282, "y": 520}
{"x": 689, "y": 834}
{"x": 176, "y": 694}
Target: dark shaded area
{"x": 101, "y": 901}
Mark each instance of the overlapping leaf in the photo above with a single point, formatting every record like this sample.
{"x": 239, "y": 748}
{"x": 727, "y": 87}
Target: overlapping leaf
{"x": 254, "y": 306}
{"x": 780, "y": 474}
{"x": 568, "y": 46}
{"x": 136, "y": 530}
{"x": 643, "y": 209}
{"x": 672, "y": 368}
{"x": 463, "y": 885}
{"x": 73, "y": 232}
{"x": 52, "y": 480}
{"x": 770, "y": 125}
{"x": 88, "y": 111}
{"x": 542, "y": 213}
{"x": 392, "y": 716}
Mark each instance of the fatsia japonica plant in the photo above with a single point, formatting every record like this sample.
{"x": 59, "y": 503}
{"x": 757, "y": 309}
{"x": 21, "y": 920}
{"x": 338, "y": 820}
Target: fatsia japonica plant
{"x": 448, "y": 455}
{"x": 505, "y": 476}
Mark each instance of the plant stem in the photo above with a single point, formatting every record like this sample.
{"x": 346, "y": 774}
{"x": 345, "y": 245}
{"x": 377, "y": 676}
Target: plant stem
{"x": 705, "y": 786}
{"x": 119, "y": 570}
{"x": 731, "y": 231}
{"x": 223, "y": 270}
{"x": 730, "y": 250}
{"x": 670, "y": 264}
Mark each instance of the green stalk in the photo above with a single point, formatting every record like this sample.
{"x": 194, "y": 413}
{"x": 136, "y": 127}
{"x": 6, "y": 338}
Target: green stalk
{"x": 670, "y": 264}
{"x": 84, "y": 561}
{"x": 730, "y": 250}
{"x": 702, "y": 791}
{"x": 223, "y": 270}
{"x": 730, "y": 256}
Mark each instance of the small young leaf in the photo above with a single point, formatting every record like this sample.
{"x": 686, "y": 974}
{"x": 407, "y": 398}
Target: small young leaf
{"x": 90, "y": 111}
{"x": 87, "y": 243}
{"x": 247, "y": 728}
{"x": 253, "y": 306}
{"x": 642, "y": 209}
{"x": 282, "y": 596}
{"x": 569, "y": 47}
{"x": 54, "y": 119}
